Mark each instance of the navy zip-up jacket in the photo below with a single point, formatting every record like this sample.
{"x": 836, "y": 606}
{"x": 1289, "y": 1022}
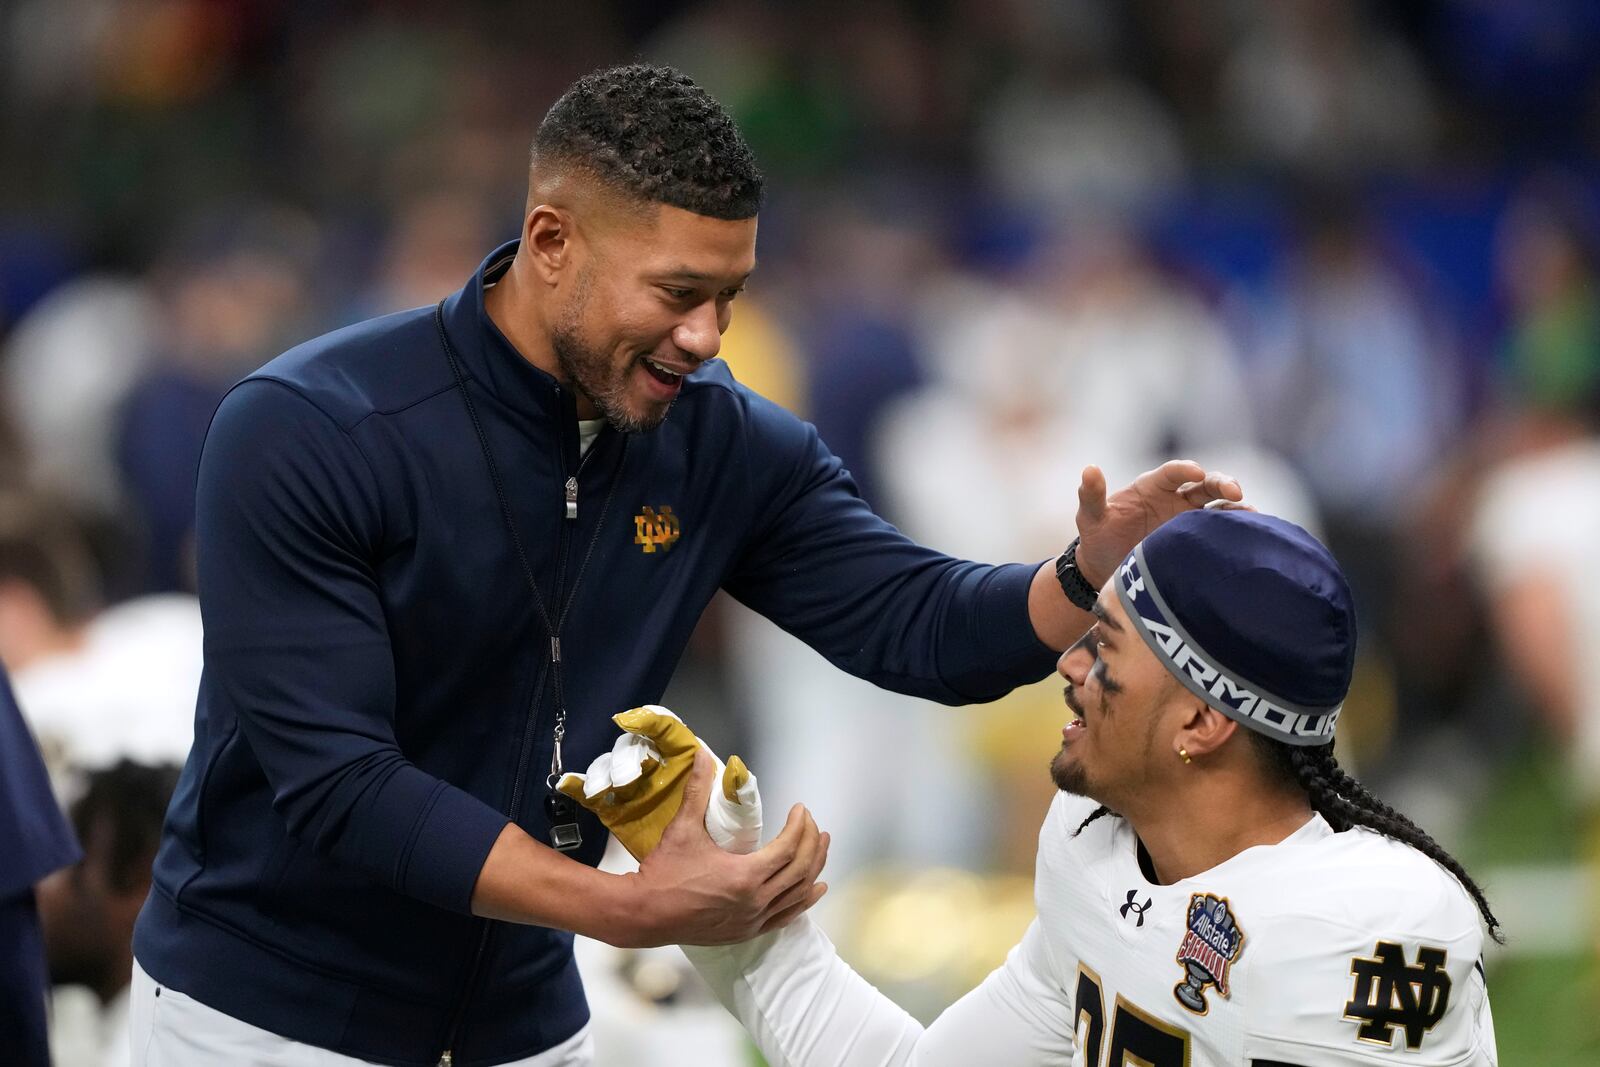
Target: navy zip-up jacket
{"x": 377, "y": 699}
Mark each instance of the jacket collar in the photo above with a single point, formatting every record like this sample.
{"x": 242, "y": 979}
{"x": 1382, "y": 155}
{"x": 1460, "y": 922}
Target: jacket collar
{"x": 486, "y": 355}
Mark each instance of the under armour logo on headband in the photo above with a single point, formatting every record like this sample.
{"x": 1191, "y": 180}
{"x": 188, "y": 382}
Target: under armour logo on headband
{"x": 1131, "y": 578}
{"x": 1201, "y": 674}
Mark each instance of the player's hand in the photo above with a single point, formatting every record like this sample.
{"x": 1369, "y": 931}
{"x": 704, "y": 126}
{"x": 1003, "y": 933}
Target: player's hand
{"x": 1109, "y": 527}
{"x": 688, "y": 891}
{"x": 637, "y": 788}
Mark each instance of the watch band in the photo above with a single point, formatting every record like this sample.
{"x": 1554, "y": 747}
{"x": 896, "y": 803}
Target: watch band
{"x": 1073, "y": 583}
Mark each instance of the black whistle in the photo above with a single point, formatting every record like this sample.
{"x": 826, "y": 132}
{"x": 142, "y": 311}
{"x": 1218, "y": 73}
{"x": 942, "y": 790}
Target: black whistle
{"x": 562, "y": 814}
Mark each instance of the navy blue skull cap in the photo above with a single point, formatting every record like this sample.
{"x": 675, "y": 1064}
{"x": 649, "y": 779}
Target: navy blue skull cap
{"x": 1251, "y": 613}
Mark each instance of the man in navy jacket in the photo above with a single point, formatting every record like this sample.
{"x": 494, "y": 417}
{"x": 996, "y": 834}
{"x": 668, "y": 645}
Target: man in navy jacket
{"x": 437, "y": 550}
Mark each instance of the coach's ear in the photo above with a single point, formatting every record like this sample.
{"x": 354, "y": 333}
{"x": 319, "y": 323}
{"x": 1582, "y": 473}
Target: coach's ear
{"x": 547, "y": 233}
{"x": 1202, "y": 732}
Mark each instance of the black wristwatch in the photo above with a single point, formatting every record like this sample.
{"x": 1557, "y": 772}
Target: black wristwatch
{"x": 1073, "y": 583}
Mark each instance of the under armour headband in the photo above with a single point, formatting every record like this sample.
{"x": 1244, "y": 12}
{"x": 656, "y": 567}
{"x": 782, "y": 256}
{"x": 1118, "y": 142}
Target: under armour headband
{"x": 1251, "y": 613}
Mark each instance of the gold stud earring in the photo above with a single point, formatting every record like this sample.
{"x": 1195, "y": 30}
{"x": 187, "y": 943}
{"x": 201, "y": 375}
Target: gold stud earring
{"x": 1184, "y": 752}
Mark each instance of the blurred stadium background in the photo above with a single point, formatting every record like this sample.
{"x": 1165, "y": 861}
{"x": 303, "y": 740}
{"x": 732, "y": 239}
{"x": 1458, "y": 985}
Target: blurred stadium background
{"x": 1345, "y": 251}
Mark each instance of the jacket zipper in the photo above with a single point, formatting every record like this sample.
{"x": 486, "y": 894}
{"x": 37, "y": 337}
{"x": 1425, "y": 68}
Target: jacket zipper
{"x": 570, "y": 494}
{"x": 572, "y": 480}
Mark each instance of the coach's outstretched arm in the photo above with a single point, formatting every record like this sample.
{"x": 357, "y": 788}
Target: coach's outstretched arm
{"x": 908, "y": 618}
{"x": 290, "y": 521}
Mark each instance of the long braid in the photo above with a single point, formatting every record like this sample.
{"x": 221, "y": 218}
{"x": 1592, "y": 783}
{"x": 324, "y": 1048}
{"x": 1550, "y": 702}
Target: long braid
{"x": 1345, "y": 803}
{"x": 1093, "y": 815}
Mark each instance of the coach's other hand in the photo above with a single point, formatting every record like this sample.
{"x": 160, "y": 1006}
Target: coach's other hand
{"x": 691, "y": 892}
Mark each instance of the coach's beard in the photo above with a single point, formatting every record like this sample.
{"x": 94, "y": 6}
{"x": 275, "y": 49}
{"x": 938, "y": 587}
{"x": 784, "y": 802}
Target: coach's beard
{"x": 590, "y": 371}
{"x": 592, "y": 374}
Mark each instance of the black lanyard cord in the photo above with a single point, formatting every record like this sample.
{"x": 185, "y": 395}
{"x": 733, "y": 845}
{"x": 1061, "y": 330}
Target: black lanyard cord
{"x": 552, "y": 627}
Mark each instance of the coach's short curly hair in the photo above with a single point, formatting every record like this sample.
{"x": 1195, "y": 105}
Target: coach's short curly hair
{"x": 653, "y": 133}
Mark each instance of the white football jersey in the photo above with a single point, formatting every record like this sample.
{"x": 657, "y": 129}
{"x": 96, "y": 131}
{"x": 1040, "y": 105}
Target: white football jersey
{"x": 1324, "y": 949}
{"x": 1328, "y": 947}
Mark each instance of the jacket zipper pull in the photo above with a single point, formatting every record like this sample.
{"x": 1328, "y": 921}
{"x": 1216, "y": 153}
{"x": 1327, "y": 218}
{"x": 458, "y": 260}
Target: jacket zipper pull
{"x": 572, "y": 497}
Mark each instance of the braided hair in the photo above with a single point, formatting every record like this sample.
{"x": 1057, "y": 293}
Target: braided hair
{"x": 1345, "y": 803}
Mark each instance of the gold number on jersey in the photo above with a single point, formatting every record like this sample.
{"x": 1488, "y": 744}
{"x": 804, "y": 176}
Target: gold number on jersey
{"x": 1138, "y": 1039}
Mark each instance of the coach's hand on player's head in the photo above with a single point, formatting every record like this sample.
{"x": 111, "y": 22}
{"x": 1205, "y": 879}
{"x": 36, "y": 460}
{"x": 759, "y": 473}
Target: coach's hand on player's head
{"x": 690, "y": 892}
{"x": 1109, "y": 527}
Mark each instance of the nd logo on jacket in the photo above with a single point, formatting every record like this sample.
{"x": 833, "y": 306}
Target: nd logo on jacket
{"x": 655, "y": 531}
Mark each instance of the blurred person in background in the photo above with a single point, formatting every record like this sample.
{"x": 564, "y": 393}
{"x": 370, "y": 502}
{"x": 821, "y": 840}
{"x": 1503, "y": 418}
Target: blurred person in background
{"x": 433, "y": 239}
{"x": 95, "y": 683}
{"x": 1549, "y": 268}
{"x": 1358, "y": 382}
{"x": 1093, "y": 317}
{"x": 67, "y": 368}
{"x": 1093, "y": 348}
{"x": 234, "y": 290}
{"x": 1535, "y": 520}
{"x": 34, "y": 841}
{"x": 1313, "y": 88}
{"x": 1068, "y": 136}
{"x": 87, "y": 910}
{"x": 862, "y": 265}
{"x": 1355, "y": 381}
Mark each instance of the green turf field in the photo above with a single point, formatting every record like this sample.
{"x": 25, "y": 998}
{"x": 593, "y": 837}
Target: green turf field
{"x": 1546, "y": 1001}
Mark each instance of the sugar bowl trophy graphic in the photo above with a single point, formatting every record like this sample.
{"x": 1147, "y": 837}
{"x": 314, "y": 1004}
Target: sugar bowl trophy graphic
{"x": 1210, "y": 945}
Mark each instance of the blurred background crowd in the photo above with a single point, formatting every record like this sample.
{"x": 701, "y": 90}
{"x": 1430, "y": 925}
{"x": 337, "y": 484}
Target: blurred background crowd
{"x": 1346, "y": 251}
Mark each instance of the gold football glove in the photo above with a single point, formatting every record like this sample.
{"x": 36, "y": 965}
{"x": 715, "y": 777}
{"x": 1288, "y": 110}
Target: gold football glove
{"x": 637, "y": 787}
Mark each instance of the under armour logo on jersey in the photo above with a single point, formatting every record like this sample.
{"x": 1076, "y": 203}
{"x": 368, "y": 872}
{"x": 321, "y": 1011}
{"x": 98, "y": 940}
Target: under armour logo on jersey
{"x": 1137, "y": 909}
{"x": 1391, "y": 994}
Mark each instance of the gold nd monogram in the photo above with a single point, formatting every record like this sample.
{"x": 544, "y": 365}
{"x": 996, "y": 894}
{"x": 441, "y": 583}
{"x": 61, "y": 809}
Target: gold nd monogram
{"x": 655, "y": 530}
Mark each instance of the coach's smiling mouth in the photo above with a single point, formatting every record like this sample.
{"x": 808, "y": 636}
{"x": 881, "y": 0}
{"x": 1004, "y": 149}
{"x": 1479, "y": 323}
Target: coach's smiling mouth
{"x": 663, "y": 373}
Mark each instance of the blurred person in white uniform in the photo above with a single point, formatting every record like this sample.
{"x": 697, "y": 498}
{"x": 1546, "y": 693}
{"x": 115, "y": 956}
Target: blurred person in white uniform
{"x": 95, "y": 684}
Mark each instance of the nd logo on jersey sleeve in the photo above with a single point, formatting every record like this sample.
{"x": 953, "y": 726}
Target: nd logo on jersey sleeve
{"x": 1391, "y": 997}
{"x": 1210, "y": 945}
